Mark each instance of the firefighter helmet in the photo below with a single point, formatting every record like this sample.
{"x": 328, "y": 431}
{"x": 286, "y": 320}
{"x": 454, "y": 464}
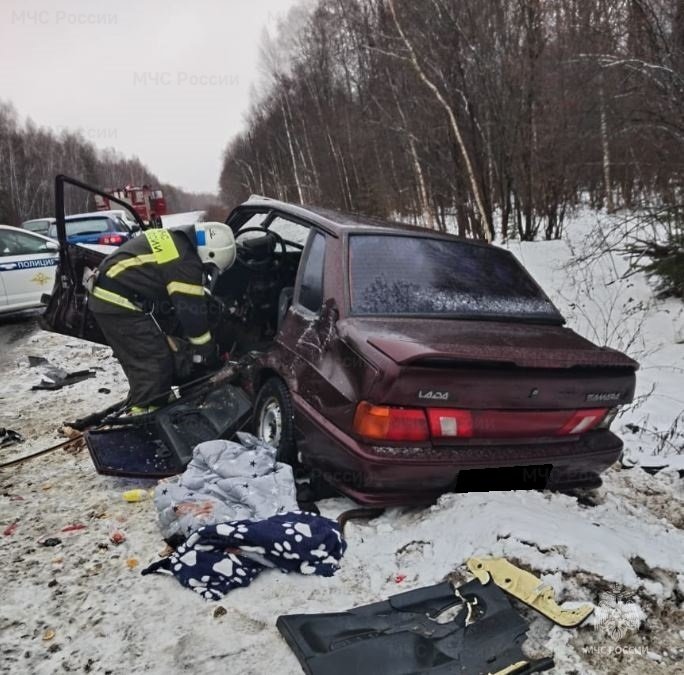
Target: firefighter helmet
{"x": 215, "y": 244}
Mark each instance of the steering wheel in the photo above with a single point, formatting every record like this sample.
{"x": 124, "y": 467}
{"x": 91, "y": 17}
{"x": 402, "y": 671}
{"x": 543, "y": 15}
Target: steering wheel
{"x": 250, "y": 258}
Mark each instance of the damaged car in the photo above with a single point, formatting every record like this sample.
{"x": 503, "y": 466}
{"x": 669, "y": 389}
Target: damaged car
{"x": 398, "y": 363}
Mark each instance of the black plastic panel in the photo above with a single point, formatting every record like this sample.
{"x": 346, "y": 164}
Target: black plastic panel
{"x": 164, "y": 446}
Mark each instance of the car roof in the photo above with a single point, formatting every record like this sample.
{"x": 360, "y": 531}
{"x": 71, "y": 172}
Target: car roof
{"x": 21, "y": 229}
{"x": 338, "y": 222}
{"x": 123, "y": 213}
{"x": 38, "y": 220}
{"x": 88, "y": 216}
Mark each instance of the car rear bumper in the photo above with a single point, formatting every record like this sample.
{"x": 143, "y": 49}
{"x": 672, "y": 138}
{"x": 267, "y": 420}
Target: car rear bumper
{"x": 378, "y": 475}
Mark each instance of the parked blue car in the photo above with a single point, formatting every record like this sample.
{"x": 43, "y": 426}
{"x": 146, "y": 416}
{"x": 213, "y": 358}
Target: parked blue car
{"x": 109, "y": 230}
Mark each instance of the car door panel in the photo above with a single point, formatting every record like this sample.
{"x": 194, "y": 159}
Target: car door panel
{"x": 320, "y": 367}
{"x": 300, "y": 330}
{"x": 27, "y": 277}
{"x": 3, "y": 293}
{"x": 67, "y": 311}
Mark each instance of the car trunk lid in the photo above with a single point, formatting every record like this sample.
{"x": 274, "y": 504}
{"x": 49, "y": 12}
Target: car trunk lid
{"x": 523, "y": 345}
{"x": 489, "y": 365}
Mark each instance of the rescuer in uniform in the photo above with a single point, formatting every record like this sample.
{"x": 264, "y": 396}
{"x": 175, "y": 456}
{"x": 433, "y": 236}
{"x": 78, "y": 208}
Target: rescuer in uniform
{"x": 151, "y": 279}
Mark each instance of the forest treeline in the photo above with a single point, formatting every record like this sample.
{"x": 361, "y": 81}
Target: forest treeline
{"x": 504, "y": 114}
{"x": 31, "y": 157}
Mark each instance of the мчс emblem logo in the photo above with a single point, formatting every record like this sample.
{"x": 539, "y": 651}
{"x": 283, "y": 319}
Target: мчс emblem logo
{"x": 617, "y": 616}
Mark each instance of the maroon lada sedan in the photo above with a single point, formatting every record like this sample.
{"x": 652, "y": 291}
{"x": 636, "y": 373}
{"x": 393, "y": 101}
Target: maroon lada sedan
{"x": 401, "y": 363}
{"x": 398, "y": 363}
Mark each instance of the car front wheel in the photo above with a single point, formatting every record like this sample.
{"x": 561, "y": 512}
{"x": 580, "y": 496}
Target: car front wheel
{"x": 274, "y": 419}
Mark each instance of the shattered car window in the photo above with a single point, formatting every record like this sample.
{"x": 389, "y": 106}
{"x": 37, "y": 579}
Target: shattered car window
{"x": 415, "y": 275}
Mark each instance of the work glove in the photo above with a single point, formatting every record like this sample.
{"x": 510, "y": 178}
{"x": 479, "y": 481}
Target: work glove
{"x": 206, "y": 355}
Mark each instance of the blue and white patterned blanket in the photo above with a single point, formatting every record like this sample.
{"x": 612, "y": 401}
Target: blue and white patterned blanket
{"x": 217, "y": 558}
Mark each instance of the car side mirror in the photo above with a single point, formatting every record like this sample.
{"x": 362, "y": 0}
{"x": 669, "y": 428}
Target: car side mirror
{"x": 135, "y": 227}
{"x": 51, "y": 246}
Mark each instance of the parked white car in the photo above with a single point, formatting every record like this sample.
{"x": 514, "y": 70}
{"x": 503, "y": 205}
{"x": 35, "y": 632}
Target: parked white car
{"x": 38, "y": 225}
{"x": 27, "y": 267}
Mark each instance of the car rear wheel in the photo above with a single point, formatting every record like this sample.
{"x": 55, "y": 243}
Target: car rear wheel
{"x": 274, "y": 419}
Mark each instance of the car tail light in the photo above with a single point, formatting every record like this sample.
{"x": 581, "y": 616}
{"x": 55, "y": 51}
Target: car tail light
{"x": 458, "y": 423}
{"x": 390, "y": 424}
{"x": 583, "y": 420}
{"x": 450, "y": 423}
{"x": 111, "y": 239}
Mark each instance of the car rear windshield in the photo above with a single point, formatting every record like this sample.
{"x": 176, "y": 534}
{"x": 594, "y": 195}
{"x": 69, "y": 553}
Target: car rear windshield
{"x": 423, "y": 276}
{"x": 75, "y": 228}
{"x": 37, "y": 225}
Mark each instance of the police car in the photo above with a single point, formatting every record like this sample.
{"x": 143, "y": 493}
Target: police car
{"x": 27, "y": 267}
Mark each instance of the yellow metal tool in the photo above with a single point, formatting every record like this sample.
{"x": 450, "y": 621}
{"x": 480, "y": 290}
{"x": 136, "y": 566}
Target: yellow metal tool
{"x": 513, "y": 668}
{"x": 527, "y": 588}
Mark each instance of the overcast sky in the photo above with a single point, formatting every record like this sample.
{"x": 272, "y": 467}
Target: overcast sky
{"x": 166, "y": 80}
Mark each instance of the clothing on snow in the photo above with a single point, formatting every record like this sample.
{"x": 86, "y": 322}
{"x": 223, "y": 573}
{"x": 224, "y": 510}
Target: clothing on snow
{"x": 218, "y": 558}
{"x": 225, "y": 481}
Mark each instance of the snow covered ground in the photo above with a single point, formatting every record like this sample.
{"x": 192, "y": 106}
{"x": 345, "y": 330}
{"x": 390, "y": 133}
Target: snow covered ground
{"x": 83, "y": 606}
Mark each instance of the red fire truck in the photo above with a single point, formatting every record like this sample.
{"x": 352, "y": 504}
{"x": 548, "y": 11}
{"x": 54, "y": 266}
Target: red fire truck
{"x": 148, "y": 202}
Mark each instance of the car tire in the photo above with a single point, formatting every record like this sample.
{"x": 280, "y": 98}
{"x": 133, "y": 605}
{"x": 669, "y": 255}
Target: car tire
{"x": 274, "y": 419}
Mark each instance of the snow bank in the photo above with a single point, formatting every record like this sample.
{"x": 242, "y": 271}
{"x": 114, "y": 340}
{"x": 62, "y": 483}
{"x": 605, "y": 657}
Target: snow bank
{"x": 600, "y": 302}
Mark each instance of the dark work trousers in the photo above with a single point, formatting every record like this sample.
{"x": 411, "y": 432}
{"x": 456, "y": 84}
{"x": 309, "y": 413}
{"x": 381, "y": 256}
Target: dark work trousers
{"x": 144, "y": 355}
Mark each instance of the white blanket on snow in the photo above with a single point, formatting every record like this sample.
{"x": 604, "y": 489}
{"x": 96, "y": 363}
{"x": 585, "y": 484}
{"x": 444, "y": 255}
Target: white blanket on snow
{"x": 225, "y": 481}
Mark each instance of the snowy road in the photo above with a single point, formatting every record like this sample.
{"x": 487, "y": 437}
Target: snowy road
{"x": 83, "y": 606}
{"x": 15, "y": 328}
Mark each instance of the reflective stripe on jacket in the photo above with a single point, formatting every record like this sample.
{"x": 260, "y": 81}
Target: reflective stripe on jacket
{"x": 160, "y": 269}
